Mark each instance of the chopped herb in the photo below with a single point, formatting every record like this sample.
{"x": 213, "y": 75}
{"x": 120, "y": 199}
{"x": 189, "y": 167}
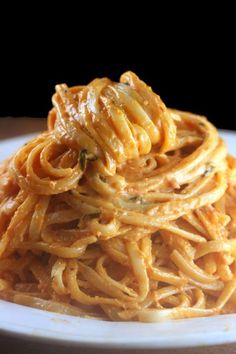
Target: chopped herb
{"x": 82, "y": 159}
{"x": 84, "y": 156}
{"x": 136, "y": 199}
{"x": 81, "y": 193}
{"x": 103, "y": 178}
{"x": 208, "y": 170}
{"x": 126, "y": 83}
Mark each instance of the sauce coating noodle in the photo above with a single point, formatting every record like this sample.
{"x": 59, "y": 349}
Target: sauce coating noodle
{"x": 123, "y": 210}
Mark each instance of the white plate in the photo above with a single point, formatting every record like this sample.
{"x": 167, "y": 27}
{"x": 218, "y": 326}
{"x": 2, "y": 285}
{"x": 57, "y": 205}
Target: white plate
{"x": 27, "y": 322}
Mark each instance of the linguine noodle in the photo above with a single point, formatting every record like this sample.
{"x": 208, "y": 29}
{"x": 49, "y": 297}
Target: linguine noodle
{"x": 123, "y": 210}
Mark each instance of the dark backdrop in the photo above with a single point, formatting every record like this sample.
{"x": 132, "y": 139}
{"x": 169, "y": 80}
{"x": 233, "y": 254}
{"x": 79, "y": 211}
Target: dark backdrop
{"x": 190, "y": 62}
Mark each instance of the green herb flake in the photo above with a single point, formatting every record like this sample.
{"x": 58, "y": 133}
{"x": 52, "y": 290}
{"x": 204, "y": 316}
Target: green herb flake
{"x": 85, "y": 156}
{"x": 82, "y": 159}
{"x": 103, "y": 178}
{"x": 136, "y": 199}
{"x": 209, "y": 169}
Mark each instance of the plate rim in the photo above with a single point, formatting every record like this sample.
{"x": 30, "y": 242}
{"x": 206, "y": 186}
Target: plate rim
{"x": 223, "y": 333}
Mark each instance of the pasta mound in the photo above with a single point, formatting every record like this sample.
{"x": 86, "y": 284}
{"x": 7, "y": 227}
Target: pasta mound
{"x": 123, "y": 210}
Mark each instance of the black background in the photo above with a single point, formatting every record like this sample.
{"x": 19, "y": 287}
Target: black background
{"x": 189, "y": 61}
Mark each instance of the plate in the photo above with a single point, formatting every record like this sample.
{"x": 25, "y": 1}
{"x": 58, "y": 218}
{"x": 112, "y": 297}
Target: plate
{"x": 26, "y": 322}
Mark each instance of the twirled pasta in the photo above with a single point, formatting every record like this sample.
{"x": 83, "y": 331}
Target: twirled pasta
{"x": 123, "y": 209}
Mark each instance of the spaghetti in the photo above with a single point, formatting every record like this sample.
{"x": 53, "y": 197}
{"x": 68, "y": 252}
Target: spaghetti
{"x": 122, "y": 210}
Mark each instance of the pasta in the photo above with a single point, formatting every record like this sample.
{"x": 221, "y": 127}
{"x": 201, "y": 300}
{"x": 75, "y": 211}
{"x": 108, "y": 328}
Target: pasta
{"x": 123, "y": 210}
